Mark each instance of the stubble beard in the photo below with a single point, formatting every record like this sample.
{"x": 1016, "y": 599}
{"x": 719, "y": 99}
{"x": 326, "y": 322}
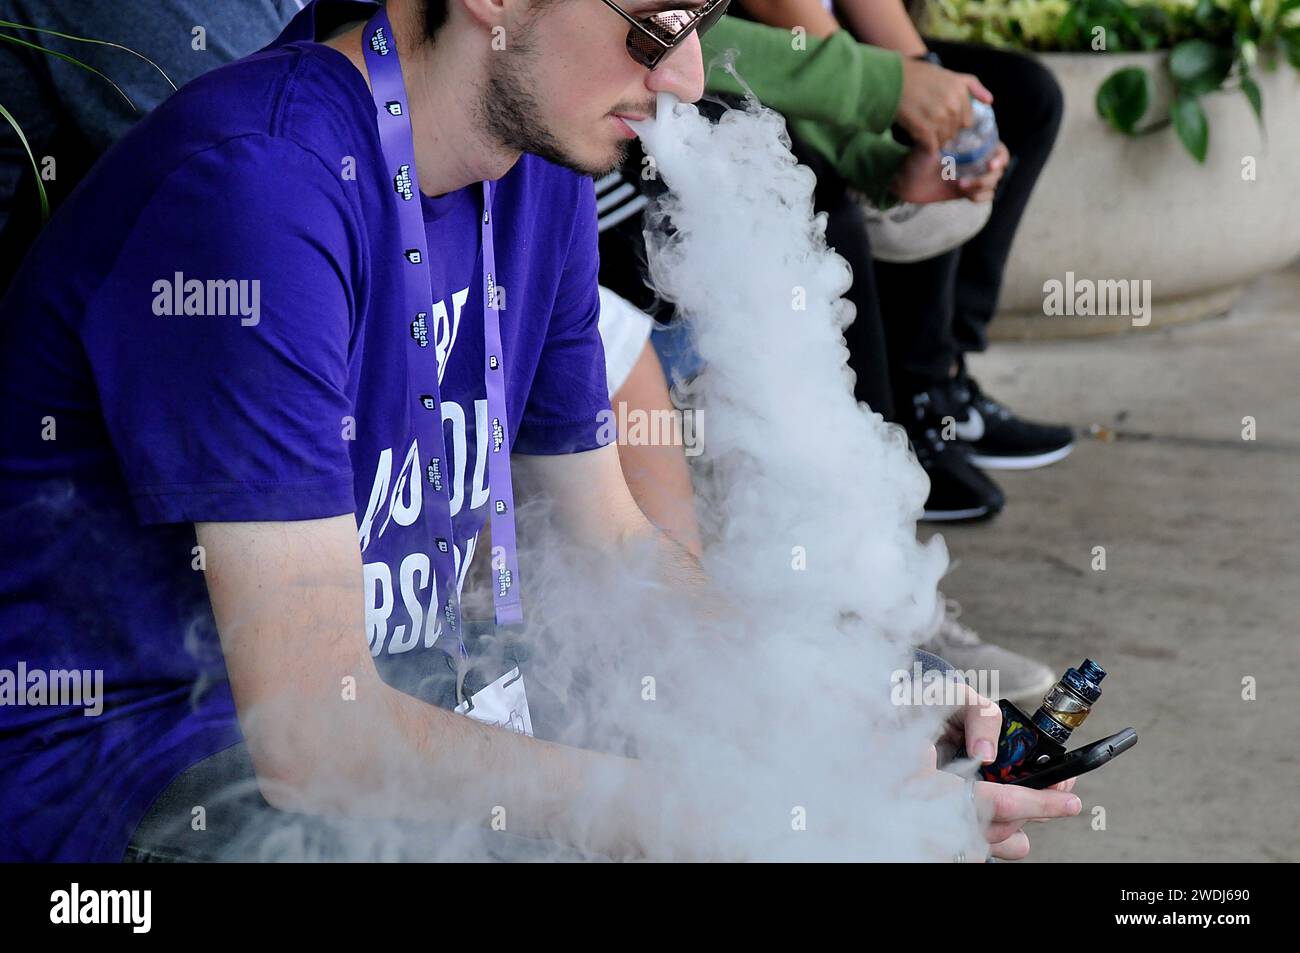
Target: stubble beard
{"x": 510, "y": 113}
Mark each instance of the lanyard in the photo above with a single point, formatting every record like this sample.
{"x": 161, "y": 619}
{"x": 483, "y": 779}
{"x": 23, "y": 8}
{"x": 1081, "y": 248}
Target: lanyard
{"x": 389, "y": 89}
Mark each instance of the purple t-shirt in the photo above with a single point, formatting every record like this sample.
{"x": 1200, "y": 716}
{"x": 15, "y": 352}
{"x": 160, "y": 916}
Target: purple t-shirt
{"x": 122, "y": 424}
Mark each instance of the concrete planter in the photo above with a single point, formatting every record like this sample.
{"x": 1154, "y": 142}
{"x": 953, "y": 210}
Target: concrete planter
{"x": 1112, "y": 208}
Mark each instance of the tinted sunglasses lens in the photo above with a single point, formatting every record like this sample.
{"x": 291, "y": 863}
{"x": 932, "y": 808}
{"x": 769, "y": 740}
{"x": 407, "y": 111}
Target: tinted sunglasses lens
{"x": 712, "y": 17}
{"x": 668, "y": 27}
{"x": 669, "y": 24}
{"x": 643, "y": 49}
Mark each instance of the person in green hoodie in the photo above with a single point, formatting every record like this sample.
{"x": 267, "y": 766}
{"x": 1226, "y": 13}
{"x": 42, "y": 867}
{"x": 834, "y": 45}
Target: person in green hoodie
{"x": 842, "y": 98}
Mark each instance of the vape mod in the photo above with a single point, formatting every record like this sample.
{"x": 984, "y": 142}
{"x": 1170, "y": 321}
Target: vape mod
{"x": 1031, "y": 751}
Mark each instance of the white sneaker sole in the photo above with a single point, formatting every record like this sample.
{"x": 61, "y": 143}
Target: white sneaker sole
{"x": 1021, "y": 463}
{"x": 949, "y": 516}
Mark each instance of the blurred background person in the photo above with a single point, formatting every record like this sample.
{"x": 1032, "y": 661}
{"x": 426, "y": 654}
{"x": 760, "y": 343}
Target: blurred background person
{"x": 72, "y": 115}
{"x": 841, "y": 99}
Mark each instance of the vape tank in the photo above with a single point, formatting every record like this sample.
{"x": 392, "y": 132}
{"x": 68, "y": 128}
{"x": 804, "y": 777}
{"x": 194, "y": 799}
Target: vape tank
{"x": 1029, "y": 744}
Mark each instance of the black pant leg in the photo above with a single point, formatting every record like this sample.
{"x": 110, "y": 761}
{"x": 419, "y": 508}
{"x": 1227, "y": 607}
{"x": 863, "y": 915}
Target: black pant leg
{"x": 1028, "y": 106}
{"x": 846, "y": 234}
{"x": 917, "y": 306}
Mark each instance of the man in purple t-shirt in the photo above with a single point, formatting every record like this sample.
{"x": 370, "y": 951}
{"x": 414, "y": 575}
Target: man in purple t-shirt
{"x": 202, "y": 510}
{"x": 204, "y": 507}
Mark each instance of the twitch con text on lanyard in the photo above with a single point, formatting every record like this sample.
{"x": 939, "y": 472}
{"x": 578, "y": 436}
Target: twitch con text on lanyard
{"x": 380, "y": 48}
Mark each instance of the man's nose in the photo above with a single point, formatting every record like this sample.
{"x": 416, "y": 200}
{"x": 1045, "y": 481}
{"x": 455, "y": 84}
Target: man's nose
{"x": 681, "y": 72}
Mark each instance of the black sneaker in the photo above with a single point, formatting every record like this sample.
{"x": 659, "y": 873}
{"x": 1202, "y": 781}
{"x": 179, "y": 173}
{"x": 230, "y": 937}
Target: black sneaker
{"x": 959, "y": 491}
{"x": 999, "y": 440}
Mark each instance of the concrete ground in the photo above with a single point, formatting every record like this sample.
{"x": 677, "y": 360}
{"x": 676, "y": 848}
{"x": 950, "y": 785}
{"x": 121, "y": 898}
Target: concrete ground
{"x": 1201, "y": 588}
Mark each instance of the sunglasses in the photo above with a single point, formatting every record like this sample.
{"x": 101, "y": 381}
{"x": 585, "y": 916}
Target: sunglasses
{"x": 650, "y": 39}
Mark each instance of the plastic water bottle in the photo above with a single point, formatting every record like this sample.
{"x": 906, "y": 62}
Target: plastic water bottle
{"x": 972, "y": 148}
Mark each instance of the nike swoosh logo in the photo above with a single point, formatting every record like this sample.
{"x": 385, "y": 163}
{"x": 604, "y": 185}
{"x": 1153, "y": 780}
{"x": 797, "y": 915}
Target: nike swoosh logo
{"x": 972, "y": 428}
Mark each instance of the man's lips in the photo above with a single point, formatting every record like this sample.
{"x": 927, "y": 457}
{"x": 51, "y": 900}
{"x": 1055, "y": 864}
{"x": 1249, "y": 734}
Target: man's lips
{"x": 622, "y": 123}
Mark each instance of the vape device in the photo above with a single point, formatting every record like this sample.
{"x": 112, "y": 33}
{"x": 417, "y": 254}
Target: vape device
{"x": 1031, "y": 751}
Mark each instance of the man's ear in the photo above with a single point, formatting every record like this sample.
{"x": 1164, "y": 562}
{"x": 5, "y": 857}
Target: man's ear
{"x": 493, "y": 13}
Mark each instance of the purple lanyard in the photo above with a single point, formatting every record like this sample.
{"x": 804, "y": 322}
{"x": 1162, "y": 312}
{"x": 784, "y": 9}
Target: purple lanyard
{"x": 391, "y": 105}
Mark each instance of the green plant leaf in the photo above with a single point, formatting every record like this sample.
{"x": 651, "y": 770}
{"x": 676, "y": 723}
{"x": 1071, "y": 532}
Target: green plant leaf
{"x": 86, "y": 39}
{"x": 1291, "y": 45}
{"x": 1124, "y": 97}
{"x": 71, "y": 59}
{"x": 1191, "y": 126}
{"x": 1253, "y": 96}
{"x": 1068, "y": 27}
{"x": 40, "y": 186}
{"x": 1127, "y": 18}
{"x": 9, "y": 118}
{"x": 1199, "y": 66}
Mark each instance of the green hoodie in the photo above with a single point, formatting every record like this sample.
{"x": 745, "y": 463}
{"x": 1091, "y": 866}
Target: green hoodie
{"x": 837, "y": 95}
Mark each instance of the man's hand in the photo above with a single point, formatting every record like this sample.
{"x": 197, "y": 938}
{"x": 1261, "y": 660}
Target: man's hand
{"x": 920, "y": 179}
{"x": 1003, "y": 809}
{"x": 935, "y": 102}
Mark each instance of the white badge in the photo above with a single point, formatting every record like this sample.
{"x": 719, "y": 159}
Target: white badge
{"x": 503, "y": 704}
